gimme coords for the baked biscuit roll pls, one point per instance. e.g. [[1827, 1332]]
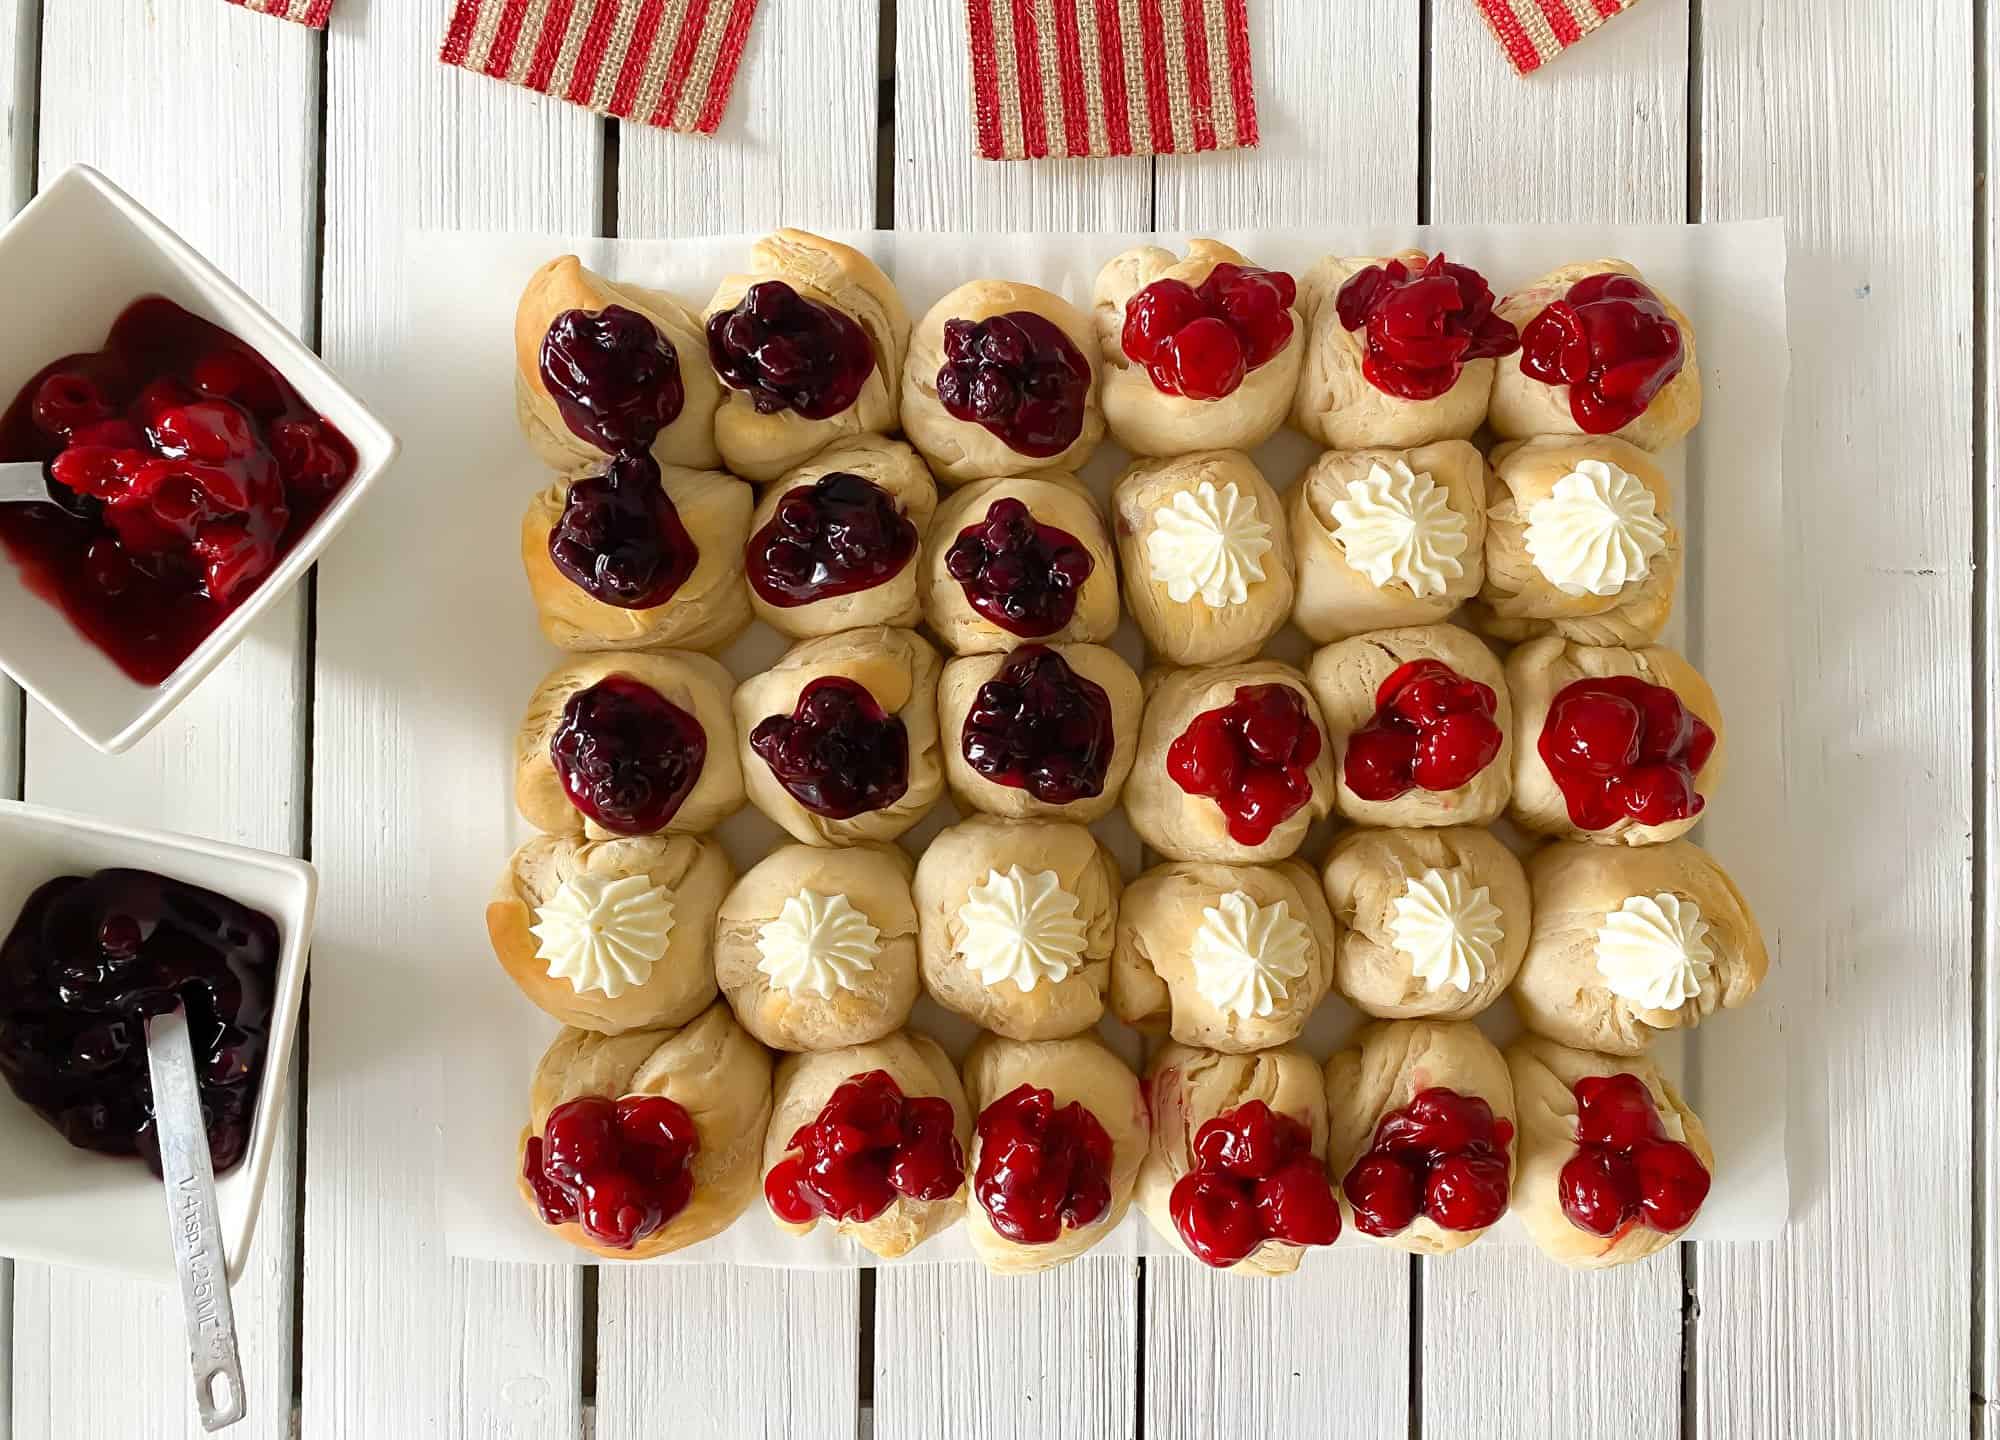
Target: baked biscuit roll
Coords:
[[1614, 746], [1200, 353], [1226, 957], [1015, 560], [1235, 1175], [1602, 353], [1233, 763], [1613, 1165], [1421, 1133], [1002, 380], [808, 345], [1421, 726], [1060, 1128], [1580, 542], [633, 556], [623, 745], [611, 935], [1203, 547], [816, 948], [645, 1142], [602, 370], [1042, 731], [871, 1139], [835, 544], [1016, 921], [1387, 538], [1433, 922], [1399, 351], [840, 740], [1630, 942]]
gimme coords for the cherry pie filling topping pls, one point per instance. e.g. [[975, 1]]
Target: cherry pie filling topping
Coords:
[[1042, 1167], [1625, 1171], [1202, 340], [1422, 325], [620, 540], [1020, 377], [1621, 747], [840, 534], [868, 1145], [1612, 342], [90, 960], [838, 754], [1252, 757], [1039, 726], [1020, 574], [790, 353], [1254, 1178], [1443, 1155], [615, 378], [626, 755], [617, 1168], [181, 469], [1433, 729]]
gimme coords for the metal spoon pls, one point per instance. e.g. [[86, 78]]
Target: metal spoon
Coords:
[[22, 480], [194, 1220]]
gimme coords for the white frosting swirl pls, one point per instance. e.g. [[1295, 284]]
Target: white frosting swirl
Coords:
[[1245, 955], [1597, 531], [1398, 525], [1021, 927], [1653, 951], [1446, 929], [1208, 542], [604, 934], [819, 944]]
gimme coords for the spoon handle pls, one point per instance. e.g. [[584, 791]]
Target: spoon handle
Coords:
[[195, 1222]]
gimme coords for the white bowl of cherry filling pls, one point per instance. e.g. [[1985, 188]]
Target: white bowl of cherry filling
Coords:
[[197, 460], [101, 925]]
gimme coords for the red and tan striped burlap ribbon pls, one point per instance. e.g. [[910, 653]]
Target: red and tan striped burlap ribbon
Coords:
[[663, 62], [1054, 78], [1533, 32], [306, 12]]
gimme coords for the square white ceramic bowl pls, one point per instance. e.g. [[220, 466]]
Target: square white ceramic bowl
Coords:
[[70, 263], [75, 1207]]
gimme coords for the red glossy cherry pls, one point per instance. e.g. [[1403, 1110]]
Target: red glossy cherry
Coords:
[[1222, 756], [1216, 1219], [1615, 1110], [1466, 1192], [1385, 1192], [867, 1145], [619, 1168], [1612, 342], [1206, 359], [1598, 734], [1202, 342], [1250, 1141], [1155, 314], [1422, 325], [1619, 747], [1432, 729], [1041, 1166], [1598, 1190], [1672, 1183], [1296, 1204]]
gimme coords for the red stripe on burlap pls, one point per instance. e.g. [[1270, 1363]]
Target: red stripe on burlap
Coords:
[[734, 36], [1506, 26], [548, 46], [1117, 87], [1240, 80], [1159, 101], [500, 57], [596, 38], [985, 80], [638, 55], [680, 64], [459, 35], [1069, 75], [1201, 102], [1561, 22], [1028, 64]]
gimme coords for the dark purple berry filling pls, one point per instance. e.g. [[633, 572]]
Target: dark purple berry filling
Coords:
[[1021, 575], [1019, 376], [789, 352], [89, 961], [620, 540], [837, 753], [1039, 726], [838, 535], [626, 755], [615, 378]]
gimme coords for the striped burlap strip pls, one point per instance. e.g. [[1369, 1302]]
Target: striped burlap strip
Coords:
[[669, 63], [1054, 78], [1533, 32], [305, 12]]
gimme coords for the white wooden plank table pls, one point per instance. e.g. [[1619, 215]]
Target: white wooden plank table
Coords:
[[297, 161]]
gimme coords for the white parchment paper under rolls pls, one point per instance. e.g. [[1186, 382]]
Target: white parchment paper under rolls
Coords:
[[462, 652]]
